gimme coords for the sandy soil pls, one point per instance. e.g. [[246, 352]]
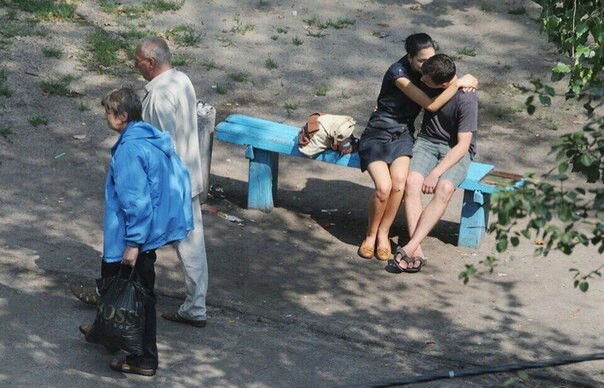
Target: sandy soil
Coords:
[[52, 179]]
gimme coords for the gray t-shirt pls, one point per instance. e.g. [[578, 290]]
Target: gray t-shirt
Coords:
[[460, 114]]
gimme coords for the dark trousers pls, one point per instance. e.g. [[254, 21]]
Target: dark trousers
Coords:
[[145, 270]]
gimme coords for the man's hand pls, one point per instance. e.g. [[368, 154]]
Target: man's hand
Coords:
[[430, 183], [130, 255]]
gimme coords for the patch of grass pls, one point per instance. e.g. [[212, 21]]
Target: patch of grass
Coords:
[[270, 64], [315, 34], [59, 87], [143, 9], [50, 52], [467, 51], [182, 59], [4, 90], [221, 90], [274, 37], [210, 65], [281, 30], [5, 132], [134, 34], [4, 43], [83, 107], [239, 77], [297, 41], [26, 28], [517, 11], [102, 50], [485, 7], [226, 41], [239, 27], [315, 22], [322, 91], [11, 14], [340, 23], [45, 9], [291, 105], [38, 120], [184, 35]]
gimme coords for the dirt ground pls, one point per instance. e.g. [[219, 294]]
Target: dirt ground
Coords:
[[290, 303]]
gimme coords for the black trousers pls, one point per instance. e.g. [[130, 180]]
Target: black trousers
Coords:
[[145, 269]]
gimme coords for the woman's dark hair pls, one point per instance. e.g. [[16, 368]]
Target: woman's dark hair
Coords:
[[440, 68], [122, 101], [417, 42]]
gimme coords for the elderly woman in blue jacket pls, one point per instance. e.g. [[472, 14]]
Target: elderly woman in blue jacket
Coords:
[[147, 205]]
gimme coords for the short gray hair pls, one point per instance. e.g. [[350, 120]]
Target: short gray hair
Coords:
[[156, 47]]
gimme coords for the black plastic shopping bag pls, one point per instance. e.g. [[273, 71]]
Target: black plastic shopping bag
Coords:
[[120, 315]]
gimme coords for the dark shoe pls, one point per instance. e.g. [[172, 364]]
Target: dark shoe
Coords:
[[413, 268], [85, 294], [85, 328], [124, 367], [176, 317]]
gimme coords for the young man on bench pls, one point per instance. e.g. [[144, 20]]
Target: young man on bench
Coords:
[[441, 157]]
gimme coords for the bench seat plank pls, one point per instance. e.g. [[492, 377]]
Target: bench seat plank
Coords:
[[265, 140]]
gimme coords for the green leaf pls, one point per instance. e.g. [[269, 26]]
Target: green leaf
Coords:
[[561, 68], [530, 109], [584, 286], [586, 160], [502, 245], [515, 241], [562, 167], [549, 90], [545, 100]]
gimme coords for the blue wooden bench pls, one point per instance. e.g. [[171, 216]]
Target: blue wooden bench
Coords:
[[265, 140]]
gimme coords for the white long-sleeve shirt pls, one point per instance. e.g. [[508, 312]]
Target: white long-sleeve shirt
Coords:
[[170, 105]]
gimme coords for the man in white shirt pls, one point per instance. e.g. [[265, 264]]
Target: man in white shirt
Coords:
[[169, 103]]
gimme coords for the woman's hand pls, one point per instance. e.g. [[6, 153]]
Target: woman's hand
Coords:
[[130, 255], [468, 83]]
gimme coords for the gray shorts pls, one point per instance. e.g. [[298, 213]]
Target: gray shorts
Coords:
[[427, 155]]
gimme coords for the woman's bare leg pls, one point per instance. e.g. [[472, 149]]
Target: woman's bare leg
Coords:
[[398, 175], [380, 174]]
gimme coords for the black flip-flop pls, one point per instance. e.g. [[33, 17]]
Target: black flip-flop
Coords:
[[413, 268], [400, 253]]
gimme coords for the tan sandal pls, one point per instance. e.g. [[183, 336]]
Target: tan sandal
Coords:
[[124, 367]]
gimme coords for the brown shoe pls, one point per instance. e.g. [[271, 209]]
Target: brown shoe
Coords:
[[124, 367], [383, 254], [365, 252], [176, 317], [87, 295]]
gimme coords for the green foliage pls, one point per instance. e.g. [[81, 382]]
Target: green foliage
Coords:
[[322, 91], [182, 59], [239, 77], [25, 28], [45, 9], [4, 90], [221, 90], [557, 215], [59, 86], [520, 10], [102, 50], [5, 132], [239, 27], [184, 35], [297, 41], [210, 65], [291, 105], [38, 120], [270, 64], [140, 10], [467, 51], [50, 52]]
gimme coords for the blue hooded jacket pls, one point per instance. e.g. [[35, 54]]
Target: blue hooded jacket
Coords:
[[147, 193]]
